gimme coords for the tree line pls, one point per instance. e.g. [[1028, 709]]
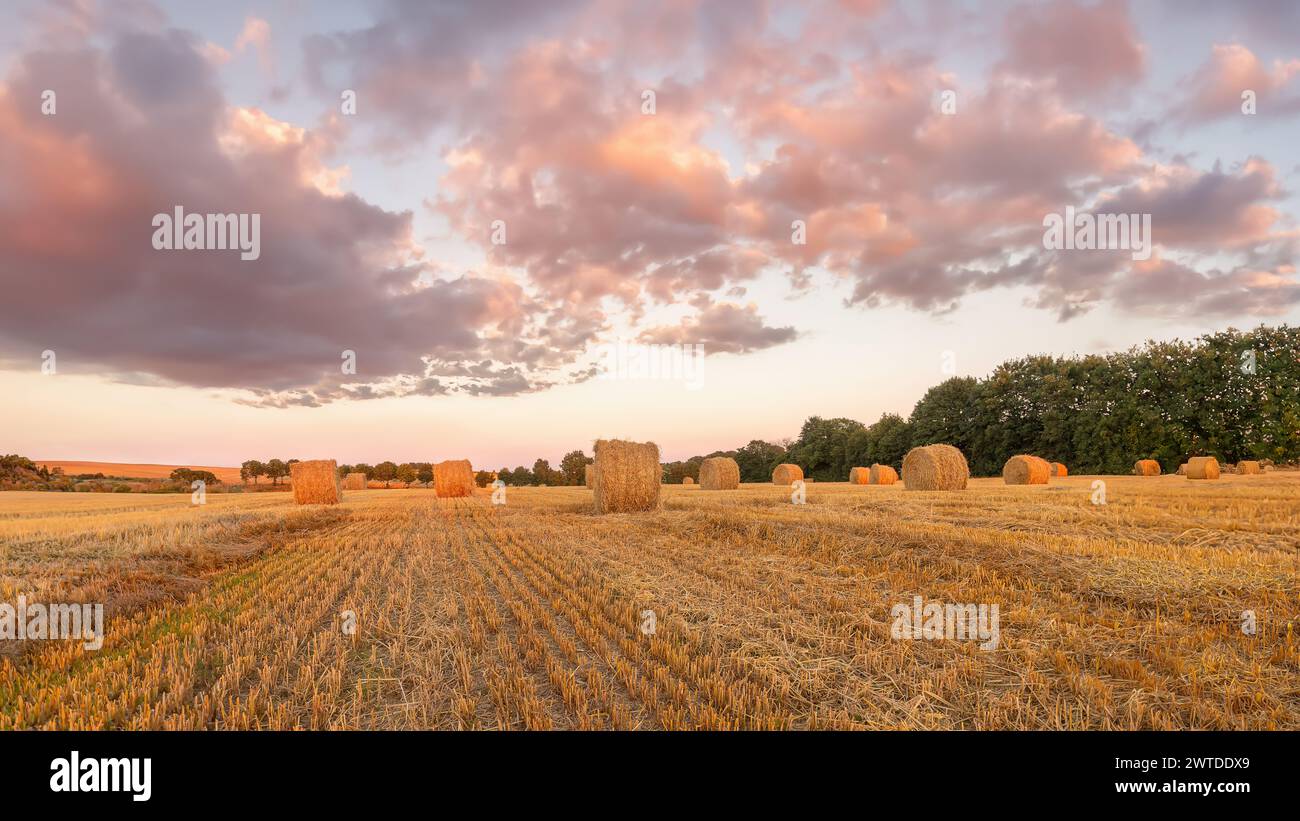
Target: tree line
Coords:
[[1231, 395], [570, 472]]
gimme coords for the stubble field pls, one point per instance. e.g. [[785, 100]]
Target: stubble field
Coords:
[[767, 614]]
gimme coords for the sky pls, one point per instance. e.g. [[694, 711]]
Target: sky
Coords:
[[824, 207]]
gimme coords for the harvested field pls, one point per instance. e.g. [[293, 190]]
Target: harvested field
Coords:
[[768, 614]]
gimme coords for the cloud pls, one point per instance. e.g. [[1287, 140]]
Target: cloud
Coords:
[[722, 328], [256, 34], [141, 128], [1084, 50], [1165, 288], [1215, 91], [418, 60], [1210, 210]]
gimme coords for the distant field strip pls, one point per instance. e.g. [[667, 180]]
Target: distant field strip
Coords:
[[766, 614]]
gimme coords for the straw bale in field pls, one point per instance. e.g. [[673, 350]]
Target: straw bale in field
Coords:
[[686, 480], [882, 475], [1202, 467], [354, 481], [1059, 469], [589, 475], [935, 467], [1248, 466], [860, 476], [628, 475], [719, 473], [786, 474], [315, 482], [1026, 470], [1146, 467], [454, 477]]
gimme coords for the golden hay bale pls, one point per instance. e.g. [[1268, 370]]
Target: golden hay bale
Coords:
[[719, 473], [375, 484], [354, 481], [860, 476], [1059, 469], [1182, 469], [935, 467], [454, 477], [686, 480], [589, 475], [786, 474], [1247, 466], [1026, 470], [1146, 467], [315, 482], [628, 475], [1202, 467], [882, 475]]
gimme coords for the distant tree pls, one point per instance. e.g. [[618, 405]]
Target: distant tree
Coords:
[[758, 459], [544, 475], [385, 472], [822, 449], [362, 467], [186, 476], [276, 469], [954, 413], [424, 472], [483, 478], [574, 467], [406, 473], [886, 442], [521, 476], [251, 470]]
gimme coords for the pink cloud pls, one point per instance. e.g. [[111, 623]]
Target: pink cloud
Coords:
[[1216, 90], [1084, 50]]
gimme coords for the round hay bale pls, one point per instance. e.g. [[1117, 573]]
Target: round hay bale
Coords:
[[375, 484], [1026, 470], [628, 475], [453, 478], [719, 473], [882, 475], [1202, 467], [935, 467], [1059, 469], [354, 481], [860, 476], [315, 482], [1182, 469], [686, 480], [1248, 467], [589, 475], [1146, 467], [786, 474]]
